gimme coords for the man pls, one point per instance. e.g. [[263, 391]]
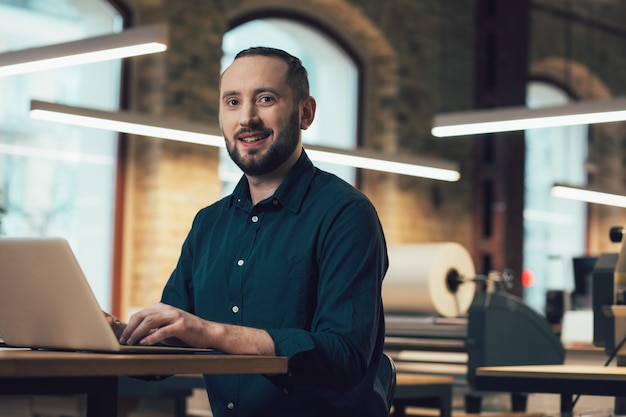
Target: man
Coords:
[[290, 264]]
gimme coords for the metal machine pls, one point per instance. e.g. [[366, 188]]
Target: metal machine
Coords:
[[609, 306], [498, 329]]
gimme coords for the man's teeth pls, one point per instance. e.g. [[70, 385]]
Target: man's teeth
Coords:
[[253, 138]]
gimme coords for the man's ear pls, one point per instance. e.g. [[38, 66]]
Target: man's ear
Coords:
[[307, 112]]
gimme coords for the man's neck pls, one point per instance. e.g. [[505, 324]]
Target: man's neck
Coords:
[[260, 190], [264, 186]]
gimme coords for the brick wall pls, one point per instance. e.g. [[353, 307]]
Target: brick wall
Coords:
[[418, 60], [580, 46]]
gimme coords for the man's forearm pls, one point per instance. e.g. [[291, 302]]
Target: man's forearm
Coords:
[[242, 340]]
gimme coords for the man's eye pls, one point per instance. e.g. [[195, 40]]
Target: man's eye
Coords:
[[266, 99], [232, 102]]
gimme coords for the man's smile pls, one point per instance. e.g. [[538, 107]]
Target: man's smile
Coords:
[[251, 137]]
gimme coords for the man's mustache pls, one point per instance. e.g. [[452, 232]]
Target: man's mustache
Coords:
[[254, 129]]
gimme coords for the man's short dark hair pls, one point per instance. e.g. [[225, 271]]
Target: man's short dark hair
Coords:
[[297, 76]]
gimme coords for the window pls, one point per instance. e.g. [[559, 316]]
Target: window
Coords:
[[59, 180], [333, 79], [554, 228]]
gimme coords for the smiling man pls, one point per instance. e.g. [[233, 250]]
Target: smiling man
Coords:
[[290, 264]]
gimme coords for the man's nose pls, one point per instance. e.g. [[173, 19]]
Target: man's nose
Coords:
[[249, 115]]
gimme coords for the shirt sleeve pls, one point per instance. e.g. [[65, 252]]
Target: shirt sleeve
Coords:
[[178, 290], [347, 323]]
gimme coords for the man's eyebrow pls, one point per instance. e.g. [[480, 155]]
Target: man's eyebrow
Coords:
[[256, 92], [229, 93], [266, 90]]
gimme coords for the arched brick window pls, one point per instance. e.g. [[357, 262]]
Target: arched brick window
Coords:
[[55, 179], [554, 228]]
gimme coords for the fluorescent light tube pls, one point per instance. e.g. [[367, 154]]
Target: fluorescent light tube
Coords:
[[67, 156], [378, 161], [131, 42], [211, 135], [127, 123], [523, 118], [588, 195]]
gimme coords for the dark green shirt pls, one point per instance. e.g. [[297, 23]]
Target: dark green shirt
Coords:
[[307, 265]]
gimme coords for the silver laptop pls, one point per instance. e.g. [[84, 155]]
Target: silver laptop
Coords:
[[46, 301]]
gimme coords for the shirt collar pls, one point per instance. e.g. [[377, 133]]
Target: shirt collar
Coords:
[[290, 192]]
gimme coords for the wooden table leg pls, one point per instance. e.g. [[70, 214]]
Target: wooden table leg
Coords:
[[567, 403], [102, 398]]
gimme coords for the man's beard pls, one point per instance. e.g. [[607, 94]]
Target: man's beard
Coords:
[[280, 150]]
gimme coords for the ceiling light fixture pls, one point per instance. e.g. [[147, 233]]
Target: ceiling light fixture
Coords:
[[131, 42], [59, 155], [588, 195], [126, 122], [378, 161], [211, 135], [523, 118]]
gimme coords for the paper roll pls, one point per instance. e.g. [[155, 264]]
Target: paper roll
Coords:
[[416, 281]]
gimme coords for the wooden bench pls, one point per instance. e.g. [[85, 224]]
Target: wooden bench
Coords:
[[423, 391]]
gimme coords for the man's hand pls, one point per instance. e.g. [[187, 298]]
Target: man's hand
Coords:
[[166, 324], [172, 326]]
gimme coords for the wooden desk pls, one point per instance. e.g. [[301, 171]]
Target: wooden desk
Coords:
[[423, 391], [24, 371], [566, 380]]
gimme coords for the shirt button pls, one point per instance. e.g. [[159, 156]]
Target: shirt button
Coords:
[[240, 262], [255, 219], [275, 202], [235, 309], [230, 406]]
